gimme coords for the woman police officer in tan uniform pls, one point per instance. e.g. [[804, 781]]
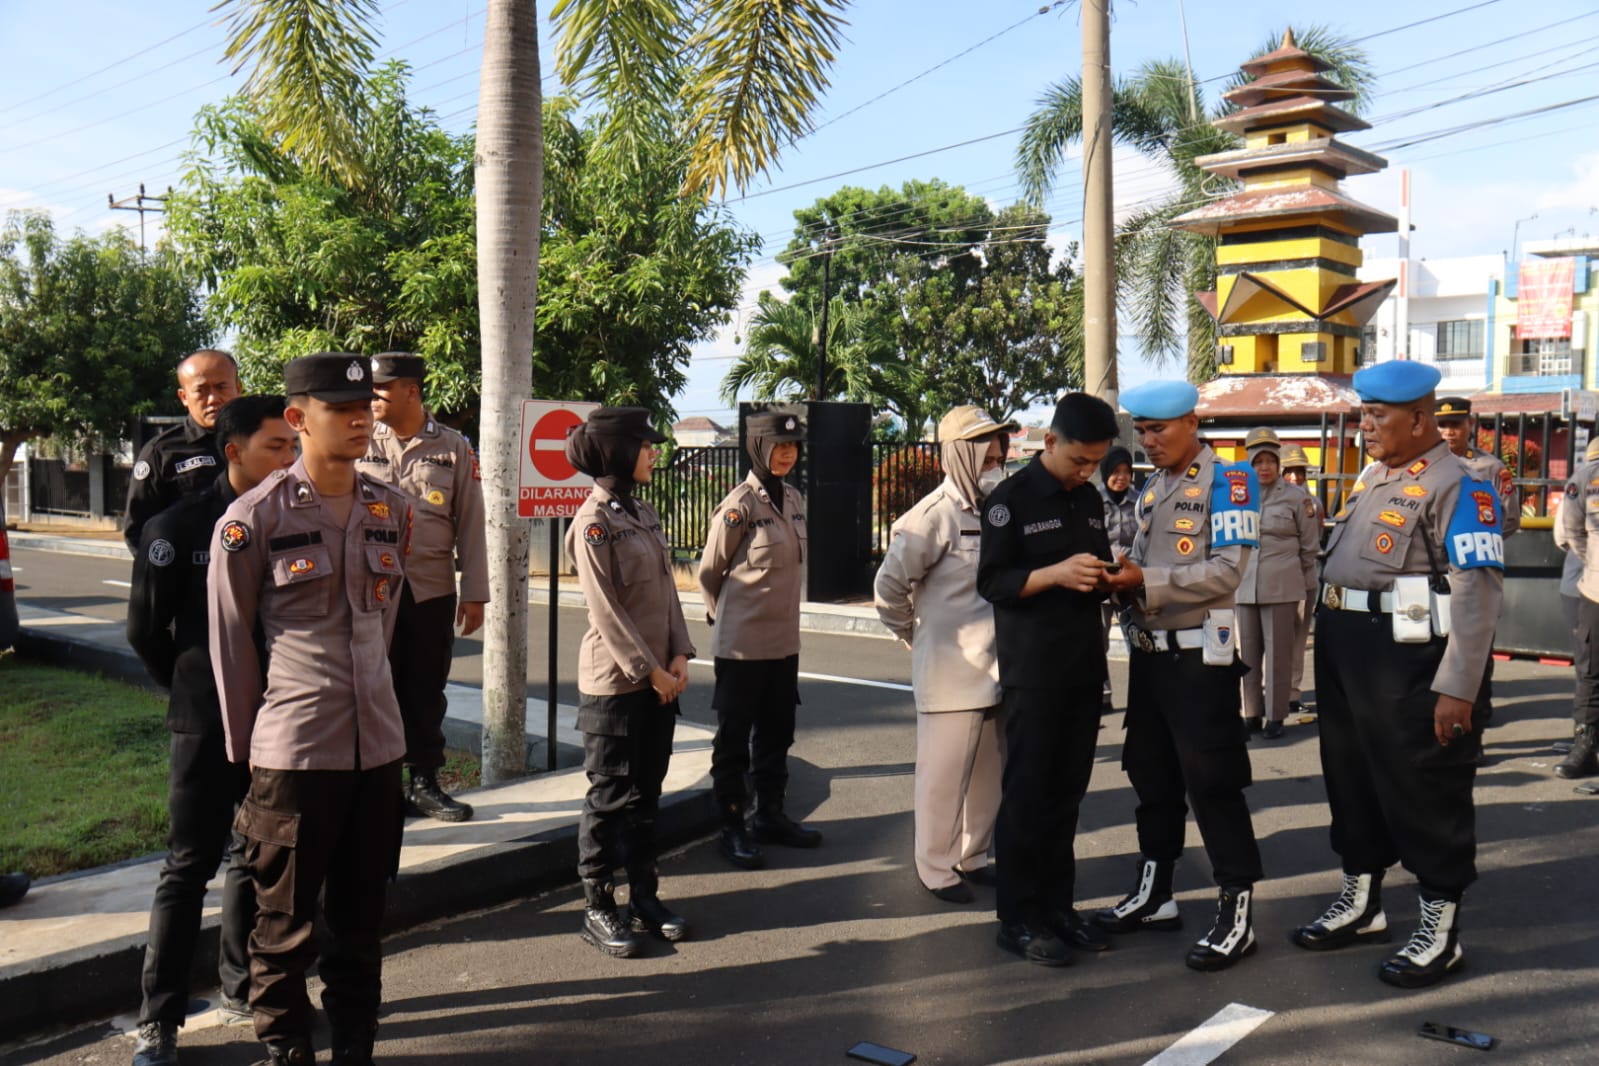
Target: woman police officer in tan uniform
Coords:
[[632, 666], [750, 577]]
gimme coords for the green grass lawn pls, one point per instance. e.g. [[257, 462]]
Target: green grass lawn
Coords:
[[83, 769]]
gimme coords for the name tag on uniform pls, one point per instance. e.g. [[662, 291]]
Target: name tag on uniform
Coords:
[[194, 462], [1041, 527]]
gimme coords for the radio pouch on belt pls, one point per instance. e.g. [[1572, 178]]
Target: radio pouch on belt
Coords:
[[1438, 583], [1412, 612]]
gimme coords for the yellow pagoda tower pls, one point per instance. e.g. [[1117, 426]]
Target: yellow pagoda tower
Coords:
[[1287, 299]]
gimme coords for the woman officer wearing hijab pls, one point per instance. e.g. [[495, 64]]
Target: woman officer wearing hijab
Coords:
[[750, 577], [632, 667]]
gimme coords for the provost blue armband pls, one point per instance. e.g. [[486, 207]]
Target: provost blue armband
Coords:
[[1474, 540], [1234, 506]]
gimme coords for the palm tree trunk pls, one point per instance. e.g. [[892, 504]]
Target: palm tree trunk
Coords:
[[510, 165]]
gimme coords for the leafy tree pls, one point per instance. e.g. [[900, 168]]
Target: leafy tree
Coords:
[[90, 330], [1159, 269]]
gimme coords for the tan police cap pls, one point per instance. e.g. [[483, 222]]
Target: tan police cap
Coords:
[[1593, 451], [970, 422], [1263, 437], [1294, 455]]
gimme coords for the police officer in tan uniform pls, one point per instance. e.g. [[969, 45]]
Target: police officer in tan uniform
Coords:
[[632, 667], [309, 563], [1280, 576], [1411, 590], [435, 466], [1296, 471], [1576, 528], [1199, 522], [750, 576], [926, 593]]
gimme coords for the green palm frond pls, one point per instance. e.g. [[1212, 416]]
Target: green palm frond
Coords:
[[308, 62], [628, 54], [1057, 123], [758, 68]]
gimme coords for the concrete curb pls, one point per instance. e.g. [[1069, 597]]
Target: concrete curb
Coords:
[[44, 542]]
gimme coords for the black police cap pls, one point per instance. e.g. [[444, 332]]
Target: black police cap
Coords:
[[392, 365], [626, 422], [1452, 407], [332, 377], [779, 427]]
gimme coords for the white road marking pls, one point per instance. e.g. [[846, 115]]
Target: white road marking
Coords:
[[66, 620], [118, 584], [864, 682], [1218, 1033]]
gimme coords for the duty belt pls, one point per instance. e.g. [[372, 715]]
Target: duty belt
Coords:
[[1340, 598], [1150, 641]]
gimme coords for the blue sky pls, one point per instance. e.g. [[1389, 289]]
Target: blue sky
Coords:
[[97, 97]]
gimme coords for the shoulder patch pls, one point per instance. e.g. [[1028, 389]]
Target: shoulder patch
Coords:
[[999, 516], [235, 536], [141, 470], [732, 518], [595, 534], [162, 553], [1234, 506], [1473, 538], [1310, 508]]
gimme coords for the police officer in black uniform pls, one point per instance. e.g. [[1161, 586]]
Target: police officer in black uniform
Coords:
[[168, 627], [1042, 562], [185, 459]]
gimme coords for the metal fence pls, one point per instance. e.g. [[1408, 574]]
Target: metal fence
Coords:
[[685, 491], [901, 475]]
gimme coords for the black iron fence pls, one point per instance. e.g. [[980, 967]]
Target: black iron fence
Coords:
[[685, 491], [901, 475]]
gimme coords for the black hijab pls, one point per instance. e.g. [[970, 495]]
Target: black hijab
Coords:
[[608, 458]]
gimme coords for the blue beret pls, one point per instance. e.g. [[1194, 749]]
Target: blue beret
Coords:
[[1160, 399], [1396, 381]]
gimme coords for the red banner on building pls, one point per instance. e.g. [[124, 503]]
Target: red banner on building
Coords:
[[1543, 298]]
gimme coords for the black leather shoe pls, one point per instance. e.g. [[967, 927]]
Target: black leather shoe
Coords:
[[649, 915], [1033, 943], [235, 1011], [739, 849], [1273, 731], [352, 1047], [1296, 708], [775, 827], [425, 799], [156, 1044], [1074, 930], [12, 888], [296, 1053], [956, 893], [983, 875], [1254, 725]]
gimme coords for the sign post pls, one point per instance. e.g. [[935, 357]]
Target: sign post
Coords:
[[550, 487]]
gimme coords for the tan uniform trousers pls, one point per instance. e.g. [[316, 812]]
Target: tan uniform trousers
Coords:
[[1266, 643], [959, 763]]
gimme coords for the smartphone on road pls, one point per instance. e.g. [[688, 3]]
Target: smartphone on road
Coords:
[[1450, 1035], [866, 1051]]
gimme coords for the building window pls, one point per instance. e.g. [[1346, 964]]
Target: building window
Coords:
[[1541, 357], [1366, 354], [1460, 338]]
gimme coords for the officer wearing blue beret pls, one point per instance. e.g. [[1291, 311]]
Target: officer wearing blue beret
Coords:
[[1412, 581], [1198, 522]]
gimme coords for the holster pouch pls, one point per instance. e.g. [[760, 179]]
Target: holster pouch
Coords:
[[1412, 612], [1440, 614], [1221, 640]]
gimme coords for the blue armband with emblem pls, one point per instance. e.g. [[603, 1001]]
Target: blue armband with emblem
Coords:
[[1234, 506], [1474, 540]]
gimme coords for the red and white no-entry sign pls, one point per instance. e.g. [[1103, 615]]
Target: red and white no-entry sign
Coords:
[[549, 486]]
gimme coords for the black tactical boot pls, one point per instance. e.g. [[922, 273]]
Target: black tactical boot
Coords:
[[13, 887], [425, 799], [352, 1046], [1356, 915], [1433, 952], [737, 845], [772, 826], [156, 1044], [1581, 761], [646, 912], [602, 926], [1148, 906], [1231, 938], [291, 1053]]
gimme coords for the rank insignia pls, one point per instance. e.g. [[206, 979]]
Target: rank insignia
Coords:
[[436, 498], [1392, 518], [1416, 467], [386, 559], [379, 510], [302, 492], [1149, 497], [1185, 525], [1414, 491], [1384, 542], [1192, 471], [1185, 546], [1485, 508], [302, 566], [595, 534], [235, 536], [999, 515], [380, 591], [1193, 492], [732, 518]]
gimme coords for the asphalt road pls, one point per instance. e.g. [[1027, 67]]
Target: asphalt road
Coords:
[[795, 963]]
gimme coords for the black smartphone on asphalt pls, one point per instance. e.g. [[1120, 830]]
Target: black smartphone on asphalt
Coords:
[[1450, 1035], [866, 1051]]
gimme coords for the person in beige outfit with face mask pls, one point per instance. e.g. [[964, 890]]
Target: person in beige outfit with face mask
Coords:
[[927, 596]]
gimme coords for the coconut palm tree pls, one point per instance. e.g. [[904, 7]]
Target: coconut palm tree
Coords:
[[747, 74], [1160, 111]]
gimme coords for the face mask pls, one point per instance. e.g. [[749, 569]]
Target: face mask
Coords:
[[989, 480]]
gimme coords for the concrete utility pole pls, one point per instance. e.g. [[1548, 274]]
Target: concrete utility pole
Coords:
[[1099, 244], [137, 203]]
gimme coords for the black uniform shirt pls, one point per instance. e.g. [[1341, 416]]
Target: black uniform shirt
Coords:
[[177, 462], [167, 622], [1031, 522]]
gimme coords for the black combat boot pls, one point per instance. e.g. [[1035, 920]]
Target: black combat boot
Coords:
[[772, 826], [156, 1044], [1233, 935], [291, 1053], [1434, 950], [1581, 761], [738, 847], [1355, 916], [1148, 906], [352, 1045], [646, 912], [602, 926], [425, 799]]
